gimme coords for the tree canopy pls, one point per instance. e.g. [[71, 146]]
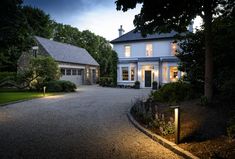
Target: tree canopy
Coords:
[[192, 61]]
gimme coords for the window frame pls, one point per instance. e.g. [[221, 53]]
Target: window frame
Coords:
[[126, 75], [67, 72], [146, 50], [125, 50], [173, 48], [133, 75], [173, 77]]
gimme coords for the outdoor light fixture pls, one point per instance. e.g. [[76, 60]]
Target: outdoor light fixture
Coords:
[[44, 90], [177, 123], [35, 49]]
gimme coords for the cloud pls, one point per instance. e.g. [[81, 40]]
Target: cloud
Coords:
[[98, 16]]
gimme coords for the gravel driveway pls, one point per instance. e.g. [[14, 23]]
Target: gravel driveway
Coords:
[[90, 123]]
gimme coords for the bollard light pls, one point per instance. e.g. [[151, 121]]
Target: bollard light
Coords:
[[177, 123], [44, 90]]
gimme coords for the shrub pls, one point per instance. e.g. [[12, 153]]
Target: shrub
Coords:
[[231, 128], [137, 85], [227, 93], [106, 82], [174, 93], [60, 86], [154, 85]]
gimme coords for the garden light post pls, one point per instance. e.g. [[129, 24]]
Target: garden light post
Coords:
[[44, 90], [177, 123]]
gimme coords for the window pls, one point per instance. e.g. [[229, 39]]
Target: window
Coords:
[[132, 73], [125, 73], [164, 73], [173, 48], [127, 51], [79, 71], [74, 72], [173, 73], [149, 50], [68, 71], [62, 70]]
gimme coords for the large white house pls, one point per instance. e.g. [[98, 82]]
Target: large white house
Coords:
[[146, 59]]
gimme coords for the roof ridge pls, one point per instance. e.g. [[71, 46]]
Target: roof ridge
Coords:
[[60, 42]]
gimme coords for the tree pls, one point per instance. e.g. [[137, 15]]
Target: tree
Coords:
[[167, 15], [38, 21], [40, 70], [192, 61], [14, 36]]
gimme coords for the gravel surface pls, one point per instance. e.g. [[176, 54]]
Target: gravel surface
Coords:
[[90, 123]]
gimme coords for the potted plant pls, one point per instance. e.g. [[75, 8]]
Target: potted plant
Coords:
[[137, 85], [154, 85]]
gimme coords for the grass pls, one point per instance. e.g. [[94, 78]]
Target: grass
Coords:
[[12, 96]]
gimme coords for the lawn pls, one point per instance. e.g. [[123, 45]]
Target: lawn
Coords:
[[6, 97]]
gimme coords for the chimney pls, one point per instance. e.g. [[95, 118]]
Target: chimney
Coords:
[[121, 31]]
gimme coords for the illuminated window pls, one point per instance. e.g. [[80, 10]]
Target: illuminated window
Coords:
[[132, 73], [127, 50], [164, 73], [125, 73], [149, 50], [173, 73], [173, 48]]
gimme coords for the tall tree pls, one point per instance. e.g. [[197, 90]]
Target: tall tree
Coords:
[[39, 22], [191, 58], [167, 15], [14, 36]]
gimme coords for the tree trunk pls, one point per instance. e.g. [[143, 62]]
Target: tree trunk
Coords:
[[208, 86]]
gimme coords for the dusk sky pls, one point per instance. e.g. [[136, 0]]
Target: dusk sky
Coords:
[[98, 16]]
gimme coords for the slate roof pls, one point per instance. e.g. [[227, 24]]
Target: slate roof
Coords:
[[66, 53], [132, 37]]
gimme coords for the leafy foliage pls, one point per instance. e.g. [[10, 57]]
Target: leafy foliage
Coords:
[[137, 85], [174, 93], [41, 70], [106, 82], [38, 21], [192, 60], [60, 86]]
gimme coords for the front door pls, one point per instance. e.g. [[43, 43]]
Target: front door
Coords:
[[147, 78]]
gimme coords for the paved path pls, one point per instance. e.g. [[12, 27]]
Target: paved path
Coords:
[[91, 123]]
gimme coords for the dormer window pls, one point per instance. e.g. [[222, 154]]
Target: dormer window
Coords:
[[127, 51], [149, 50], [173, 48]]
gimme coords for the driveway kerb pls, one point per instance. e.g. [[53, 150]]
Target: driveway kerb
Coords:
[[170, 145]]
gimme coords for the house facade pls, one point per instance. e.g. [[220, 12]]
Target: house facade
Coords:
[[75, 63], [146, 59]]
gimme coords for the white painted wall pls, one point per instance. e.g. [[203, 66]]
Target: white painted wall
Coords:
[[138, 49]]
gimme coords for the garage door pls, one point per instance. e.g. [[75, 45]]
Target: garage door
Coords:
[[74, 75]]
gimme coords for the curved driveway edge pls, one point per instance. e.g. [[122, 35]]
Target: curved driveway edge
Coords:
[[170, 145]]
